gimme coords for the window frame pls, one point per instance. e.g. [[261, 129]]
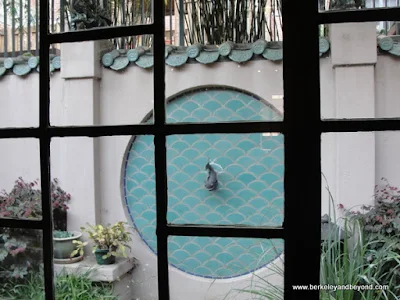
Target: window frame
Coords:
[[302, 251]]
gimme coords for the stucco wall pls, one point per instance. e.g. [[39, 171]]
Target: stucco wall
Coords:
[[91, 169]]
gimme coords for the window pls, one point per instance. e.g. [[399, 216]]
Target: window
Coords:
[[302, 193]]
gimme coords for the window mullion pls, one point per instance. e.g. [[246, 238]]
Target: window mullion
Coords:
[[360, 125], [359, 15], [102, 33], [302, 148], [44, 123], [160, 152]]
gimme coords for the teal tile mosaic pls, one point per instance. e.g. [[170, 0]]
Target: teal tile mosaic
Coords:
[[250, 191]]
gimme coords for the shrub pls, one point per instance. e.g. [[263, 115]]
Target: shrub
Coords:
[[20, 249]]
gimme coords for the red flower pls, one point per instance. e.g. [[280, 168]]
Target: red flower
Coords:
[[340, 206]]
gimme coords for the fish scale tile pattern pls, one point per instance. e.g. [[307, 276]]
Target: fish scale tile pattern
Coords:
[[250, 192]]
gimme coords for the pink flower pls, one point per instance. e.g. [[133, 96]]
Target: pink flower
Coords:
[[340, 206]]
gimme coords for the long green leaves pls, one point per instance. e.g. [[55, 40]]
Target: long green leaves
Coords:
[[240, 21], [68, 287], [348, 259]]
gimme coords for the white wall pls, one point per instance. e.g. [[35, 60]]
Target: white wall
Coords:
[[90, 169]]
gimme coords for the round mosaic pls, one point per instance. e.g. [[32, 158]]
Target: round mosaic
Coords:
[[250, 172]]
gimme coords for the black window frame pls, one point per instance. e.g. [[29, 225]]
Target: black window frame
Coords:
[[301, 228]]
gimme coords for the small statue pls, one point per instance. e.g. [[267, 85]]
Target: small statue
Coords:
[[212, 182], [87, 14]]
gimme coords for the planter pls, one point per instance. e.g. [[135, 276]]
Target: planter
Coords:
[[60, 219], [100, 260], [63, 247]]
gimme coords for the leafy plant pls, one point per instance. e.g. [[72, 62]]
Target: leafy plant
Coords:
[[381, 227], [382, 219], [24, 200], [80, 248], [18, 251], [344, 263], [59, 197], [261, 287], [113, 238], [67, 286]]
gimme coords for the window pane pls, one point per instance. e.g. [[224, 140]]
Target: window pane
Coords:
[[94, 172], [21, 261], [225, 268], [19, 85], [80, 15], [230, 72], [358, 73], [360, 196], [93, 83], [355, 4], [20, 191], [226, 179]]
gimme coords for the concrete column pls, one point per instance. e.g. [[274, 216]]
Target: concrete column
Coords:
[[81, 71], [354, 56]]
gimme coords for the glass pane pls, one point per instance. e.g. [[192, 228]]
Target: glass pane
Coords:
[[226, 73], [225, 179], [225, 268], [93, 83], [21, 264], [358, 71], [360, 215], [19, 49], [103, 192], [20, 190], [83, 15], [326, 5]]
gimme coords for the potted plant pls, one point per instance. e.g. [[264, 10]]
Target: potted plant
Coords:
[[59, 200], [24, 201], [108, 241], [65, 246]]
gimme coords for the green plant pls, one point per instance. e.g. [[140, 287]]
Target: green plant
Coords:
[[380, 225], [67, 286], [382, 219], [18, 249], [344, 263], [59, 197], [24, 200], [80, 248], [113, 238]]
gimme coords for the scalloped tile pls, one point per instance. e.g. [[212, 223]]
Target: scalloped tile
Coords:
[[245, 184]]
